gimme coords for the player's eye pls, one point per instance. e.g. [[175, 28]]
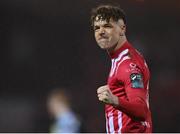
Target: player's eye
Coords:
[[108, 26], [96, 28]]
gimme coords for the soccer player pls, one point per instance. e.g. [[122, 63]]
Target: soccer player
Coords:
[[126, 95]]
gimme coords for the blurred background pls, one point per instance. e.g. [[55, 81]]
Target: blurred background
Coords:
[[50, 43]]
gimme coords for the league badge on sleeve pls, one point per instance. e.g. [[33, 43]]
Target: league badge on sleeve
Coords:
[[136, 80]]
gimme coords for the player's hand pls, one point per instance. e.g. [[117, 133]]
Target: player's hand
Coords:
[[105, 95]]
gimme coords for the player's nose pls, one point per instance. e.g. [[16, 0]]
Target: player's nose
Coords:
[[102, 31]]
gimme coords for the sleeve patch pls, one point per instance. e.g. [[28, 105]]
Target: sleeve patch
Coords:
[[136, 80]]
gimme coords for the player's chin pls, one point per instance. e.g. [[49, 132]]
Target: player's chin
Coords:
[[104, 46]]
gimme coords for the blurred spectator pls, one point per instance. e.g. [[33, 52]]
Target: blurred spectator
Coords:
[[65, 120]]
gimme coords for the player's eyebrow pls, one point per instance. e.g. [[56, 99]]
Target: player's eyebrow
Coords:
[[107, 25], [96, 27]]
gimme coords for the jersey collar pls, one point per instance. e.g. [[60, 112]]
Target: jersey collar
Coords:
[[117, 52]]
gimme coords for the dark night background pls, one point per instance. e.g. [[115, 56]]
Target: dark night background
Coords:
[[47, 43]]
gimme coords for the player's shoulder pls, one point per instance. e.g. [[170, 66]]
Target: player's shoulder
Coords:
[[129, 65], [126, 63]]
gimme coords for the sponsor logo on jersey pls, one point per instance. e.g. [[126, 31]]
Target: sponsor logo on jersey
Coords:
[[136, 80]]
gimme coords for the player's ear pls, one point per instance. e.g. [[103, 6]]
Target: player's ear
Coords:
[[122, 30], [122, 27]]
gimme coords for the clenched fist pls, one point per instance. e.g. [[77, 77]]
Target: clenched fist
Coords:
[[105, 95]]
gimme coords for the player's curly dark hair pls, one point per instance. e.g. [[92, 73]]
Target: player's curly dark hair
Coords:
[[107, 12]]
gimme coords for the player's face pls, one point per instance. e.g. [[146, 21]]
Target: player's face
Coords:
[[108, 35]]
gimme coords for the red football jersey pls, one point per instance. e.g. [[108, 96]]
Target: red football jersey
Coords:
[[129, 80]]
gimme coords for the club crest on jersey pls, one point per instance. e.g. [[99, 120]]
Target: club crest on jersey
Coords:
[[132, 67], [136, 80]]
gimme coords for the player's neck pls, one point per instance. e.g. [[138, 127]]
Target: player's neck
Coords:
[[119, 44]]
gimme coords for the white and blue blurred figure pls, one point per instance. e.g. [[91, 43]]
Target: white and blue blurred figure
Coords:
[[66, 121]]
